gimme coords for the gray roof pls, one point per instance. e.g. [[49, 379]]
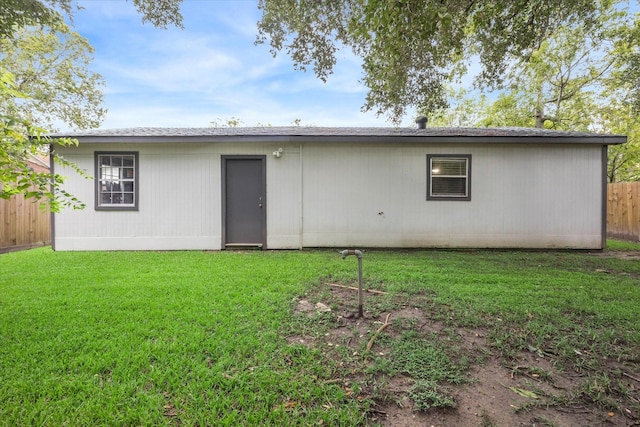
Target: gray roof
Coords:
[[340, 134]]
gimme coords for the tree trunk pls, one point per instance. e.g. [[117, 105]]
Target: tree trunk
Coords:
[[540, 109], [539, 117]]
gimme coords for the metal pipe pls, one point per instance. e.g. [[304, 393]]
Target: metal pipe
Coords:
[[358, 254]]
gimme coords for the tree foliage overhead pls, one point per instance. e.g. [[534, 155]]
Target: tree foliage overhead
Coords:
[[630, 55], [19, 141], [16, 14], [579, 78], [570, 73], [410, 47], [160, 13], [44, 81], [50, 66]]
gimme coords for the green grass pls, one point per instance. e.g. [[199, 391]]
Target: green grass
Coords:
[[198, 338], [152, 338], [622, 245]]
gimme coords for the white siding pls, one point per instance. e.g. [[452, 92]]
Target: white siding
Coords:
[[521, 196], [348, 195], [283, 198], [179, 199]]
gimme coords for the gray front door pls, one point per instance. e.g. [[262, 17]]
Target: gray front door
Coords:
[[244, 201]]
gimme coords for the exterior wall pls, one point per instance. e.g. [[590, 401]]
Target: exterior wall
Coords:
[[179, 199], [348, 195], [528, 196]]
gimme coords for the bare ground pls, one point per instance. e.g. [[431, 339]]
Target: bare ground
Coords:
[[529, 390]]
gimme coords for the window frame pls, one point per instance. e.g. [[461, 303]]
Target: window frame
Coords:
[[98, 180], [467, 176]]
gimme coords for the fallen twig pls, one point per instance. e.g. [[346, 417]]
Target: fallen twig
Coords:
[[573, 410], [523, 370], [373, 291], [380, 329], [631, 376]]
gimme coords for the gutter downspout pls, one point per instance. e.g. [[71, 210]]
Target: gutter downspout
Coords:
[[357, 253]]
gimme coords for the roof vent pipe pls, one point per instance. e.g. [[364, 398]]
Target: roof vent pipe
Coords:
[[422, 122]]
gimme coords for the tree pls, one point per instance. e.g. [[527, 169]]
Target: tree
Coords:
[[464, 110], [575, 80], [44, 79], [408, 47], [622, 113], [229, 122], [18, 140], [623, 161], [560, 83], [25, 13], [49, 82], [50, 66], [563, 79], [629, 56], [617, 116], [234, 122]]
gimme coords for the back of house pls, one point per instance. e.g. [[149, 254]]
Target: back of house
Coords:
[[297, 187]]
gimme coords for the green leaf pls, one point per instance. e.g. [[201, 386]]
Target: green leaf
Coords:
[[524, 393]]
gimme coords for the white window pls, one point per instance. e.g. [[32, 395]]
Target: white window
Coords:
[[448, 177], [117, 181]]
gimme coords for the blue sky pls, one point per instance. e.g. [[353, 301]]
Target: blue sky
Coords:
[[211, 71]]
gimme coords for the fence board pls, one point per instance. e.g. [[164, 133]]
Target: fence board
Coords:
[[623, 210], [23, 223]]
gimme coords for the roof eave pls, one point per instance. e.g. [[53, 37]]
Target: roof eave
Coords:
[[438, 139]]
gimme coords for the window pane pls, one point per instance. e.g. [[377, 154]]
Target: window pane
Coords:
[[128, 198], [449, 167], [449, 186], [127, 173], [127, 161], [108, 172], [116, 160], [105, 160]]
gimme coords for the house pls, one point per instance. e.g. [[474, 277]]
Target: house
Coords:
[[297, 187]]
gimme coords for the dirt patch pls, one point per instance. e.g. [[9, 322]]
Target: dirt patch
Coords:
[[527, 390], [630, 255]]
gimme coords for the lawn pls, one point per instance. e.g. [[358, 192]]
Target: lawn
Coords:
[[203, 338]]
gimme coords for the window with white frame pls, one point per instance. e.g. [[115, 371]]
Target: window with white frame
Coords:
[[116, 181], [448, 177]]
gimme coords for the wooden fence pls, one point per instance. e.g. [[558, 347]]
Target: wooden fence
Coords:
[[623, 211], [23, 224]]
